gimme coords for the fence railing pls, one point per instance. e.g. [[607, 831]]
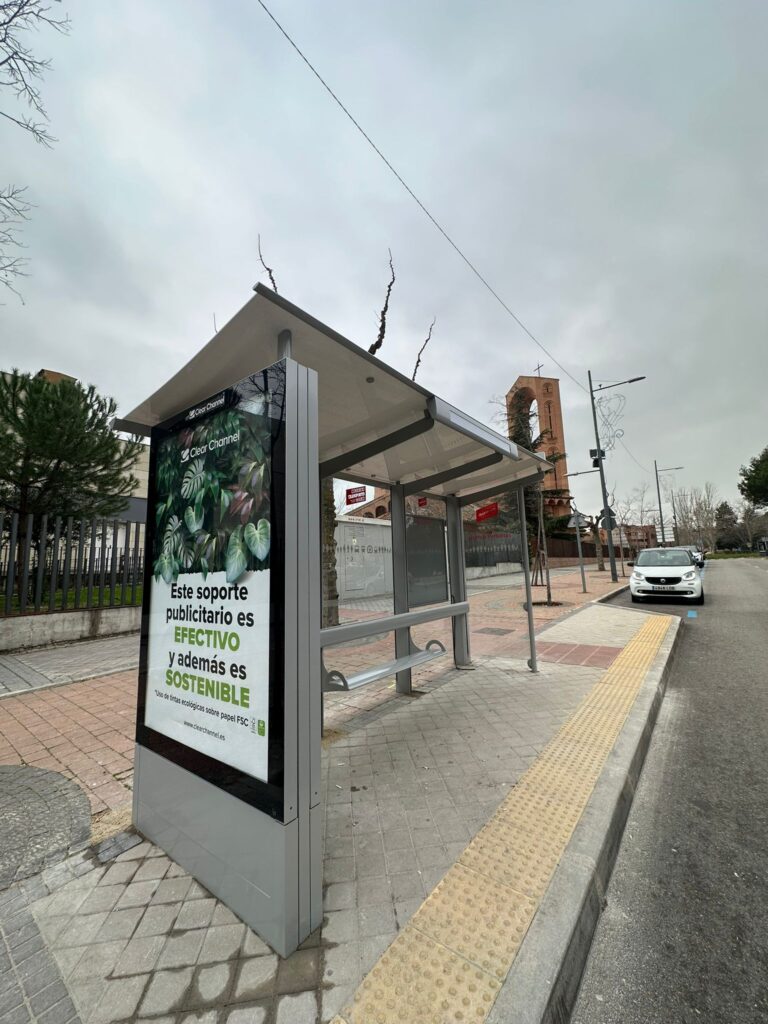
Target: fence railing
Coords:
[[50, 564], [489, 549]]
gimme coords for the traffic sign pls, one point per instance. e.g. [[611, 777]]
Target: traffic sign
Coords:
[[355, 495], [487, 512]]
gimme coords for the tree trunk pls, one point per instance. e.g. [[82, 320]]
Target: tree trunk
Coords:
[[330, 596], [598, 547]]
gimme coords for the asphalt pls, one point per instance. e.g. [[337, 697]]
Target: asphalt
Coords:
[[684, 935]]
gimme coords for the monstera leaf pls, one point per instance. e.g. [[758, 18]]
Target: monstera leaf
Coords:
[[194, 479], [170, 535], [237, 557], [257, 538], [166, 567], [193, 518]]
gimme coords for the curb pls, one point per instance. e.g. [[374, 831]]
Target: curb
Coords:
[[543, 983], [609, 596]]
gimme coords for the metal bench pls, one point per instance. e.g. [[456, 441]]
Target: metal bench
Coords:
[[335, 681]]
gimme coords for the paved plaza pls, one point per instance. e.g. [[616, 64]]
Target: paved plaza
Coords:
[[118, 932]]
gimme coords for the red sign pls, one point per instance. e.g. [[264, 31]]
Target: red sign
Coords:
[[422, 502], [487, 512], [355, 495]]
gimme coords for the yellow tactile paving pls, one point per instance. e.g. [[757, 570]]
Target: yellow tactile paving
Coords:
[[448, 963]]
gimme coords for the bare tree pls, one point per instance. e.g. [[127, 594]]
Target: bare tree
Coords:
[[269, 270], [749, 522], [421, 350], [20, 74], [384, 310]]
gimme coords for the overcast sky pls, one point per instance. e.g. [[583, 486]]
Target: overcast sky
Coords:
[[605, 165]]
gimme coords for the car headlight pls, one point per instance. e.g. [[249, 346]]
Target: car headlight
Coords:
[[637, 576], [689, 575]]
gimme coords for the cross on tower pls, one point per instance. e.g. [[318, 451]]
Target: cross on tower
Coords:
[[537, 369]]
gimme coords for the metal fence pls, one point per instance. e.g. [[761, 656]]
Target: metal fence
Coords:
[[491, 548], [50, 564]]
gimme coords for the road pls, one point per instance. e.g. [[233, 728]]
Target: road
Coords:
[[684, 937]]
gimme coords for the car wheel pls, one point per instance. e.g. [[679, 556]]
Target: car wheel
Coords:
[[636, 599], [700, 598]]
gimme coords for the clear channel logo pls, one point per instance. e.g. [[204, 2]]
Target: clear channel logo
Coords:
[[213, 445]]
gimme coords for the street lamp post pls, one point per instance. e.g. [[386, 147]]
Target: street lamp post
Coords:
[[669, 469], [606, 512]]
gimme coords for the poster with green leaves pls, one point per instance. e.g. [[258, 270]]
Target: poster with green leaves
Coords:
[[208, 661]]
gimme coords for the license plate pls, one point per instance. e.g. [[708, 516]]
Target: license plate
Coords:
[[655, 587]]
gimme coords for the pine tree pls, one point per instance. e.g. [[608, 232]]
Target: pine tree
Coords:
[[754, 480], [58, 452]]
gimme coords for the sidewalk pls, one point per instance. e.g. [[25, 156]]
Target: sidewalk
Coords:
[[450, 809]]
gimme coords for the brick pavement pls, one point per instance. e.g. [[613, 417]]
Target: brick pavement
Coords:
[[86, 730], [406, 785]]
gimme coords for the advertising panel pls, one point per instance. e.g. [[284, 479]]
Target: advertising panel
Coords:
[[355, 495], [427, 561], [212, 648], [487, 512]]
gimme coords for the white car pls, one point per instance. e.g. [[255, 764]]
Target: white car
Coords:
[[696, 553], [666, 572]]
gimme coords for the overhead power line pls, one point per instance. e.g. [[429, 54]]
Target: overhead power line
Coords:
[[483, 280], [416, 199]]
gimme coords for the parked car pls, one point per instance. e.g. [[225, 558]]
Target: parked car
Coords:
[[666, 572], [696, 553]]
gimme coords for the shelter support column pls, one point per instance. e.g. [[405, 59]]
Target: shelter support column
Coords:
[[532, 665], [460, 623], [400, 581]]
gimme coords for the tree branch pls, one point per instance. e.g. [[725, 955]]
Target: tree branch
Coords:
[[384, 310], [426, 342], [268, 269]]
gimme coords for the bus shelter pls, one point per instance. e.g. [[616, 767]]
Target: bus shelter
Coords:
[[234, 661]]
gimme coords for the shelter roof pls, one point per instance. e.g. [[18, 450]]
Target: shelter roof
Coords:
[[375, 425]]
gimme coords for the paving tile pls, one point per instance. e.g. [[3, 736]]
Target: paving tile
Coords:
[[139, 956], [119, 924], [250, 1013], [298, 1009], [197, 914], [181, 950], [154, 868], [299, 971], [138, 894], [334, 1000], [103, 897], [158, 920], [255, 978], [340, 926], [342, 964], [376, 920], [166, 991], [98, 960], [340, 896], [254, 945], [171, 890], [222, 942], [212, 985], [120, 873], [120, 999], [223, 915]]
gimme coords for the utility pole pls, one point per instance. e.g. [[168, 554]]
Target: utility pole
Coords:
[[656, 470], [606, 512], [658, 494]]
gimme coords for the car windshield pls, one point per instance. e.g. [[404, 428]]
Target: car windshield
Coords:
[[650, 557]]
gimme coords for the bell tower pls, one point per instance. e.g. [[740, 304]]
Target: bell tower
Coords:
[[545, 392]]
